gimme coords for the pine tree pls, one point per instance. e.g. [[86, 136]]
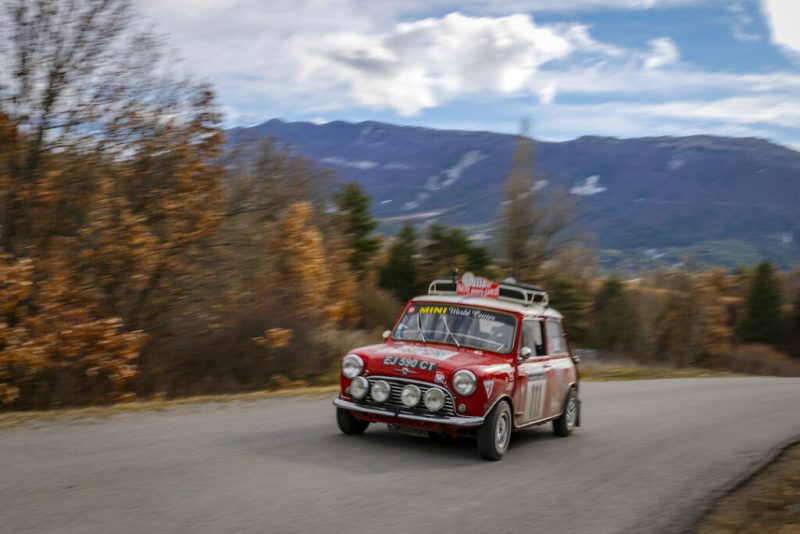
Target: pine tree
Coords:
[[794, 329], [573, 303], [614, 318], [762, 320], [357, 226], [449, 249], [399, 275]]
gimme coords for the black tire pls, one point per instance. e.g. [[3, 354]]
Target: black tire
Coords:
[[349, 424], [491, 444], [565, 424]]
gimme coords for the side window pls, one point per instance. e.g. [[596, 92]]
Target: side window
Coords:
[[556, 343], [532, 336]]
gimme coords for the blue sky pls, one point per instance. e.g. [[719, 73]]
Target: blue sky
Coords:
[[574, 67]]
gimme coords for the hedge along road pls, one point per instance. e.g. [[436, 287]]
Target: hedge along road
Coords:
[[649, 457]]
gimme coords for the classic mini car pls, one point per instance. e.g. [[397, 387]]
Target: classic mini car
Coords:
[[473, 356]]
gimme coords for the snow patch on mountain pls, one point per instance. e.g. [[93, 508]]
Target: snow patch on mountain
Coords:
[[449, 176], [445, 178], [590, 186], [363, 165], [396, 166]]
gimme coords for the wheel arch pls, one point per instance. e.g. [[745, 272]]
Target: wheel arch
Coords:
[[502, 396]]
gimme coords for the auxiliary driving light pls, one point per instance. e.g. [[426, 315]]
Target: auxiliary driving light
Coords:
[[434, 399], [359, 387], [380, 391], [410, 396]]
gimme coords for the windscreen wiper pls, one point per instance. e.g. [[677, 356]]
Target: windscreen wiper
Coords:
[[419, 327], [449, 333]]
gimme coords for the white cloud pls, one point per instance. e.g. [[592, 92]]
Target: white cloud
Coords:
[[424, 63], [566, 5], [770, 109], [752, 116], [630, 79], [547, 92], [266, 61], [663, 52], [783, 17], [742, 24], [333, 58]]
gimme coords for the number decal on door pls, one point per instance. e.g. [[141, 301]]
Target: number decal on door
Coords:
[[535, 401]]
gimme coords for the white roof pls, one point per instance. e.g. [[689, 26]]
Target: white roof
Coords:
[[532, 310]]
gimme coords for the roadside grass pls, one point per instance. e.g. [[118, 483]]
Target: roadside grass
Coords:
[[324, 385], [770, 502], [608, 371], [150, 405]]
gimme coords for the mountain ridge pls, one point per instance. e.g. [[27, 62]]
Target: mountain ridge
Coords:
[[665, 193]]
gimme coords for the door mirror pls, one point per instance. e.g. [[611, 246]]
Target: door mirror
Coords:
[[525, 353], [386, 334]]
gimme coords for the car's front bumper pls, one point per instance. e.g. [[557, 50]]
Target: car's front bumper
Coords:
[[398, 417]]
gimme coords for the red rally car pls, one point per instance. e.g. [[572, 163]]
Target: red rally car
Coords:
[[473, 356]]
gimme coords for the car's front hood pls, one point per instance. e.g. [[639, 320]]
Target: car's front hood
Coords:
[[423, 361]]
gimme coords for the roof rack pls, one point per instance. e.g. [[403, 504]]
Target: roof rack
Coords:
[[525, 294]]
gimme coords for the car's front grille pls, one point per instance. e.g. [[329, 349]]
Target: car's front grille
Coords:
[[394, 402]]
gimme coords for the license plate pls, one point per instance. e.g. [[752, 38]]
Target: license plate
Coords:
[[410, 363]]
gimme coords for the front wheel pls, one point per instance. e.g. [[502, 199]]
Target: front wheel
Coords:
[[348, 423], [563, 426], [494, 435]]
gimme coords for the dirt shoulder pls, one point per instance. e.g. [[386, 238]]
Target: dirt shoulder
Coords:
[[767, 503], [589, 372]]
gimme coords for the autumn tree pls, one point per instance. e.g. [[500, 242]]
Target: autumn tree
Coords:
[[265, 177], [694, 328], [533, 226], [357, 226], [109, 188]]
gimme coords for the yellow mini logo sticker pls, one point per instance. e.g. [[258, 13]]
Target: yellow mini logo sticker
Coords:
[[433, 309]]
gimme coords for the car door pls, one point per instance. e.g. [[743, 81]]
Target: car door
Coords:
[[558, 365], [532, 375]]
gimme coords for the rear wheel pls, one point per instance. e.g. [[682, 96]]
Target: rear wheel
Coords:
[[348, 423], [563, 426], [495, 434]]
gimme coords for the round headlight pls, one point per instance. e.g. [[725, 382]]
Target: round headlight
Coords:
[[410, 395], [359, 387], [380, 391], [352, 366], [434, 399], [464, 382]]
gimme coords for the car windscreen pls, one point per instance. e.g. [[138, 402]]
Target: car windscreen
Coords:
[[458, 325]]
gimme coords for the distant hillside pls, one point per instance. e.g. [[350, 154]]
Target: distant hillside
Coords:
[[729, 200]]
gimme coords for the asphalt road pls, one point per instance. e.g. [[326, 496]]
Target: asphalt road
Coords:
[[649, 456]]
